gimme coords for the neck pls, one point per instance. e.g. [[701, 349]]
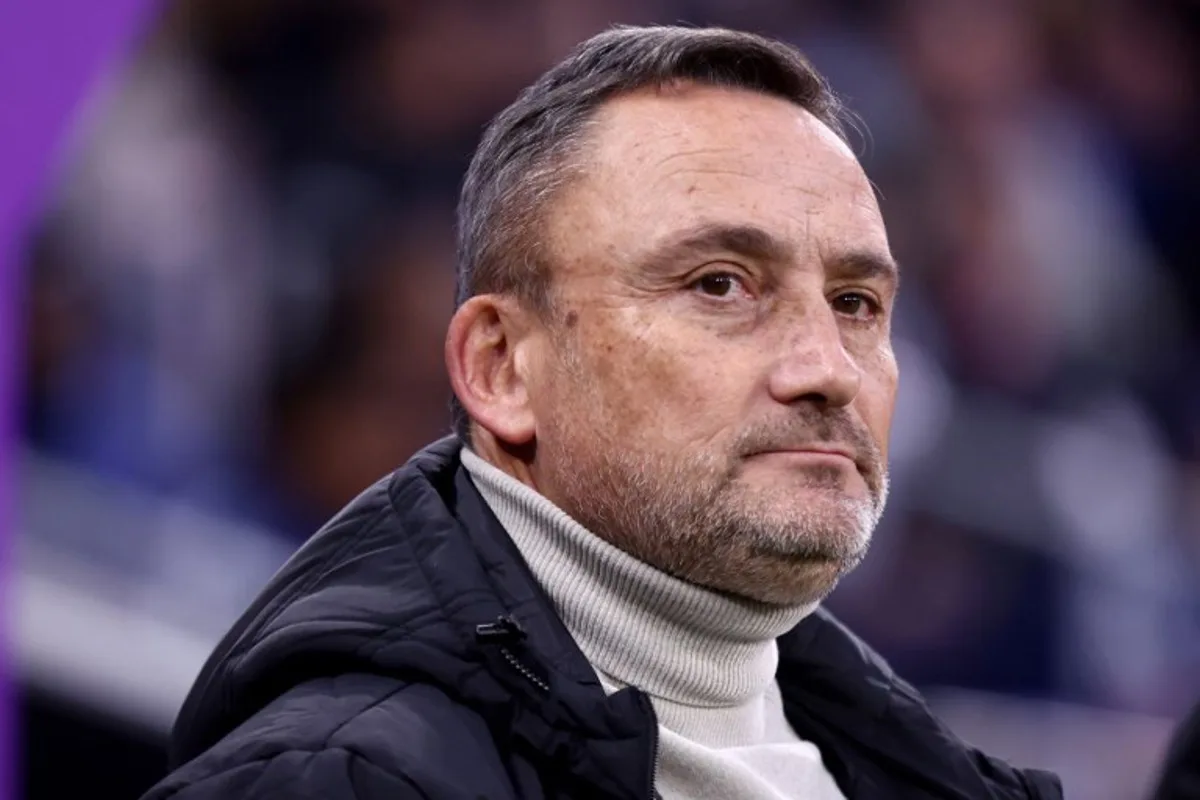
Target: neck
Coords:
[[512, 461], [681, 643]]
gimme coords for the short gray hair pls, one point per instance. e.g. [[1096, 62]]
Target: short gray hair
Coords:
[[524, 155]]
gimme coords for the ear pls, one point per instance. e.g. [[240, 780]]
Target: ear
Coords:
[[484, 363]]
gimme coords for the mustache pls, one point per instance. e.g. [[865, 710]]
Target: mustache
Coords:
[[811, 427]]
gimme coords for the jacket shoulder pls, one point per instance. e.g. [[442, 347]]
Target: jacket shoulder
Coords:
[[329, 774], [875, 729], [351, 737]]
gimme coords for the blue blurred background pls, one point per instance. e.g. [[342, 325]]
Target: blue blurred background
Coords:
[[237, 293]]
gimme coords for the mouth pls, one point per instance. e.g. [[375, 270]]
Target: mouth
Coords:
[[812, 455]]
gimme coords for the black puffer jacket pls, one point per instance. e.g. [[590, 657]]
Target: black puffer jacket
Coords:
[[407, 652], [1180, 775]]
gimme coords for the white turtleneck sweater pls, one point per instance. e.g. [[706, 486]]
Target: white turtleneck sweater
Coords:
[[707, 661]]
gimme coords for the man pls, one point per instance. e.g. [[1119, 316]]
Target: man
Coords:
[[674, 383]]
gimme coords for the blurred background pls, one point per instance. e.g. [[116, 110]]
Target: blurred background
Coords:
[[237, 292]]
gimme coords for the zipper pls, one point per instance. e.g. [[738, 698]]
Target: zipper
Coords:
[[503, 633], [649, 707], [654, 795], [521, 668]]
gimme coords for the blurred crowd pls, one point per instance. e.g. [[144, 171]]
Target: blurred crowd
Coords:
[[239, 287]]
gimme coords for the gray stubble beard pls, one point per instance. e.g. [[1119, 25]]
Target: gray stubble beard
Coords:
[[704, 526]]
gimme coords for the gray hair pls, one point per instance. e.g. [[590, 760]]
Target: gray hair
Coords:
[[525, 154]]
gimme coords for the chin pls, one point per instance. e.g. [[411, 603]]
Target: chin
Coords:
[[780, 570], [796, 584], [804, 562]]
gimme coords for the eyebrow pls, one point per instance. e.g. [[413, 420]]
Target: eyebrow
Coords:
[[865, 265], [759, 244], [743, 240]]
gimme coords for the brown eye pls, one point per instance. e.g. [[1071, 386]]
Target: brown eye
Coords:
[[856, 305], [718, 284]]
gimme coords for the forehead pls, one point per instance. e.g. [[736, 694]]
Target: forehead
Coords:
[[659, 161]]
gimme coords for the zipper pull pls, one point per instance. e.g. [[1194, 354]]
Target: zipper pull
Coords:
[[503, 631]]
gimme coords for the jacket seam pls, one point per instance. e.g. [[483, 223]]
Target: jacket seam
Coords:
[[238, 654], [442, 602], [352, 753], [374, 704], [313, 577], [404, 779]]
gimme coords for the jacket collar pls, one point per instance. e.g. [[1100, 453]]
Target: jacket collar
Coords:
[[417, 579]]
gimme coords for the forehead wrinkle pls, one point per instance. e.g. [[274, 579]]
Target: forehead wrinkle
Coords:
[[699, 152], [703, 172], [793, 170], [667, 180]]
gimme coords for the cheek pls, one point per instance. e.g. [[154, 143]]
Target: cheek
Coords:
[[647, 379], [877, 398], [683, 390]]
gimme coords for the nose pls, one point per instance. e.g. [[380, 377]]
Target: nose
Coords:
[[814, 365]]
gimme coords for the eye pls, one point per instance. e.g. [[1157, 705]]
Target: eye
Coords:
[[856, 305], [720, 284]]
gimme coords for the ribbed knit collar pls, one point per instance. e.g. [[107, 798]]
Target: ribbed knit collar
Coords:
[[636, 625]]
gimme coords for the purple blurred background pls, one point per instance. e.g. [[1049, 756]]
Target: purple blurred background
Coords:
[[236, 295], [51, 52]]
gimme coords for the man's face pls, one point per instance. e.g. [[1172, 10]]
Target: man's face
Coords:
[[723, 294]]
